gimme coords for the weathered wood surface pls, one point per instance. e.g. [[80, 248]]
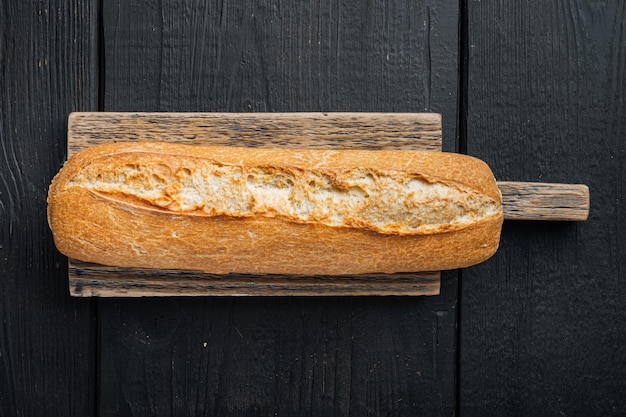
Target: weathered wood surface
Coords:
[[543, 201], [543, 323], [280, 355], [417, 131], [299, 129], [88, 280], [421, 131], [47, 338]]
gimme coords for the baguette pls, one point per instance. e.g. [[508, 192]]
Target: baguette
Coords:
[[278, 211]]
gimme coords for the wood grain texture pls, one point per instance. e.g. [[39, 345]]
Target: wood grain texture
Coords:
[[87, 280], [47, 339], [260, 355], [543, 201], [521, 201], [544, 321], [417, 131], [391, 57], [297, 130], [280, 355]]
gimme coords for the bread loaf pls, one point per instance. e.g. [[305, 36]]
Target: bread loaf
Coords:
[[282, 211]]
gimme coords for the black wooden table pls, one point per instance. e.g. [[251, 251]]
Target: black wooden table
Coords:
[[534, 88]]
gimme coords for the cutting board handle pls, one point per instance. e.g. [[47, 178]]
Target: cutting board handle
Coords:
[[542, 201]]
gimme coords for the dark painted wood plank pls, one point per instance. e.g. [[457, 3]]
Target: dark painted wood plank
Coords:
[[284, 356], [247, 356], [47, 339], [544, 321]]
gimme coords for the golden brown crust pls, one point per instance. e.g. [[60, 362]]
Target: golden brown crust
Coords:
[[106, 228]]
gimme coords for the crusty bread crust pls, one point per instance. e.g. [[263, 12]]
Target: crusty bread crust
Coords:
[[281, 211]]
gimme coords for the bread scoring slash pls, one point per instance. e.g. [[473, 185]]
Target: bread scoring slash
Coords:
[[278, 211]]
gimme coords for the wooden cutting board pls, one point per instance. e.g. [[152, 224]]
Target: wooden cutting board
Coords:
[[410, 131]]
